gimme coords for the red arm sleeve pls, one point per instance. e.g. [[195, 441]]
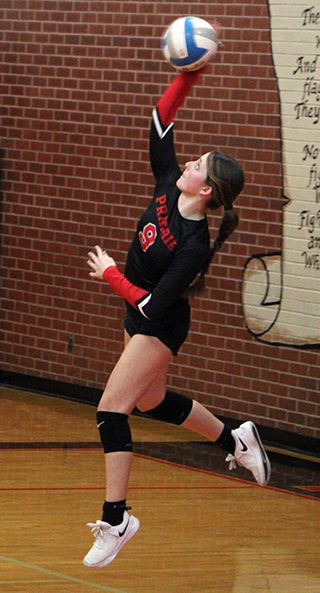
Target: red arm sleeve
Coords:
[[174, 95], [123, 287]]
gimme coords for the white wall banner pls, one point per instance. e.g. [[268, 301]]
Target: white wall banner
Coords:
[[281, 291]]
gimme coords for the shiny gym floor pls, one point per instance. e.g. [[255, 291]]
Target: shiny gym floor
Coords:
[[203, 528]]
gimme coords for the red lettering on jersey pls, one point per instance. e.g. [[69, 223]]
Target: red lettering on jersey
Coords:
[[148, 235], [162, 199], [166, 235], [162, 210], [171, 245], [168, 239], [165, 232], [163, 221]]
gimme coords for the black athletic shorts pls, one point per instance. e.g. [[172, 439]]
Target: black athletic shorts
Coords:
[[172, 329]]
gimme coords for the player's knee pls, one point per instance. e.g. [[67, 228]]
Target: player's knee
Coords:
[[175, 408], [115, 433]]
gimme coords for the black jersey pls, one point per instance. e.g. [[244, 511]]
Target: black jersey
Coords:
[[167, 251]]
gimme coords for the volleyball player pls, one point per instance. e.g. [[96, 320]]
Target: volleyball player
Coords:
[[166, 263]]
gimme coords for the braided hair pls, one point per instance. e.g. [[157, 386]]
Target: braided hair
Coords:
[[226, 178]]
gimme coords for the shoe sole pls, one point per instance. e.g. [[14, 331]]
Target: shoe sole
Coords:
[[265, 459], [133, 527]]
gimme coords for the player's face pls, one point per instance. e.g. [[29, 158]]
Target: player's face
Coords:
[[193, 178]]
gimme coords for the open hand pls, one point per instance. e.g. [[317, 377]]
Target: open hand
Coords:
[[99, 261]]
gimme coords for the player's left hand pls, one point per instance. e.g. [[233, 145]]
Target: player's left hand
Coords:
[[99, 261]]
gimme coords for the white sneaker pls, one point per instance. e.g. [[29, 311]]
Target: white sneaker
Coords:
[[249, 453], [109, 540]]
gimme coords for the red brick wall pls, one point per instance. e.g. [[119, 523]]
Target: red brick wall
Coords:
[[78, 82]]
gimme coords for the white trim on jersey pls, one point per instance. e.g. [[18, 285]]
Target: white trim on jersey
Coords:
[[158, 126], [143, 304]]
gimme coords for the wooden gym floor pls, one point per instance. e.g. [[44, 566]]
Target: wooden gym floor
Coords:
[[203, 529]]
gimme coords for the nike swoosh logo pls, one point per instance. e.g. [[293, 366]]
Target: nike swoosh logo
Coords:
[[121, 533], [244, 446], [100, 423]]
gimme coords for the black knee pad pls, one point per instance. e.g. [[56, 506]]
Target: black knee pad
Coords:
[[175, 408], [115, 433]]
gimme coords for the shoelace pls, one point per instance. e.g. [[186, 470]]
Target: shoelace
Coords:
[[98, 534], [232, 461]]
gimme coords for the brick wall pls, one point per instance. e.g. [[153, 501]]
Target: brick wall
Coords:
[[78, 82]]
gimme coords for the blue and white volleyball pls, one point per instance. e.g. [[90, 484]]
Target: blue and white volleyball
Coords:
[[189, 43]]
